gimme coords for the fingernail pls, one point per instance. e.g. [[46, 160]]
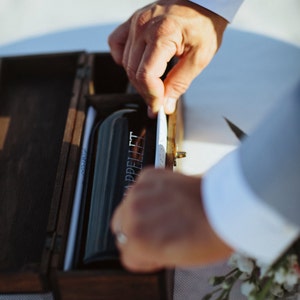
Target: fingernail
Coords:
[[170, 105]]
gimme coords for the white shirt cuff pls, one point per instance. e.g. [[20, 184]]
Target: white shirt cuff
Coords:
[[240, 218], [224, 8]]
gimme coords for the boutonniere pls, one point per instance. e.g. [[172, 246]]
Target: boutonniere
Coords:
[[259, 281]]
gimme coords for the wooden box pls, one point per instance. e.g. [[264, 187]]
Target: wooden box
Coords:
[[43, 102]]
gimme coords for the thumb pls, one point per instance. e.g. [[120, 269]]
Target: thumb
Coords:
[[179, 79]]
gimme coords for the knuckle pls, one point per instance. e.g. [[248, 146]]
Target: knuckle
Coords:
[[179, 87], [144, 79], [131, 73], [166, 35], [140, 19], [142, 76], [164, 26]]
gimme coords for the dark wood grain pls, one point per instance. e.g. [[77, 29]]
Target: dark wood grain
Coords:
[[36, 101], [22, 282], [109, 286]]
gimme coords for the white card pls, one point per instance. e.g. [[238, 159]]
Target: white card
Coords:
[[161, 139]]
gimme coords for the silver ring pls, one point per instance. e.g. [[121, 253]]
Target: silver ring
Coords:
[[121, 238]]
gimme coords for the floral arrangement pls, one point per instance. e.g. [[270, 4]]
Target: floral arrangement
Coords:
[[257, 280]]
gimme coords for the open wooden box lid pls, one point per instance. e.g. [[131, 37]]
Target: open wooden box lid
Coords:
[[42, 113]]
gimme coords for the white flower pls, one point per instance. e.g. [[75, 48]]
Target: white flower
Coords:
[[232, 260], [291, 278], [280, 275], [265, 270], [247, 288], [244, 264], [288, 277], [280, 280]]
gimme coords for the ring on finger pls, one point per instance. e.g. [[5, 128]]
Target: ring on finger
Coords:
[[121, 237]]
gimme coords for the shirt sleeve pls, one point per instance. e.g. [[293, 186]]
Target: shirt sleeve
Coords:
[[252, 196], [240, 218], [225, 8]]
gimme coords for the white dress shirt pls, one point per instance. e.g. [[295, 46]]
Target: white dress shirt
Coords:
[[234, 210], [225, 8], [240, 218]]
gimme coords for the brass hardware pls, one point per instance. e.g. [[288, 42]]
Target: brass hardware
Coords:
[[180, 154]]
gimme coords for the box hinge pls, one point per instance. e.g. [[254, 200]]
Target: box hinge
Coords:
[[83, 72], [54, 242]]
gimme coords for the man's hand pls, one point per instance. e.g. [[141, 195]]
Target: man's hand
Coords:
[[156, 33], [165, 224]]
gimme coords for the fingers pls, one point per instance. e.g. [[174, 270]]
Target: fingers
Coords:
[[156, 221], [153, 35], [145, 53], [165, 224], [145, 75], [136, 254], [145, 61], [133, 255], [151, 68], [117, 41]]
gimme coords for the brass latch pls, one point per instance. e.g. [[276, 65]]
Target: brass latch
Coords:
[[178, 154]]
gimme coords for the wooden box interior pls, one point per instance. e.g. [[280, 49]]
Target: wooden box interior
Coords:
[[42, 111]]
